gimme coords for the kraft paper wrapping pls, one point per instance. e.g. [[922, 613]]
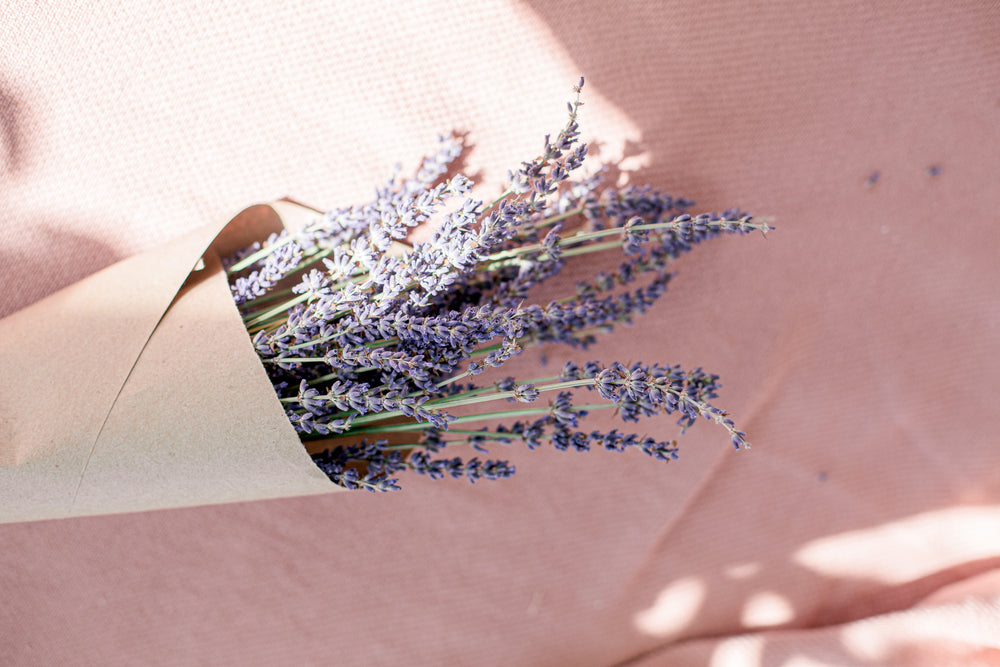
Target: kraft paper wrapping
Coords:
[[137, 388]]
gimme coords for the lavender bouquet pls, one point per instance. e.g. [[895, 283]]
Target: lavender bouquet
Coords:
[[374, 346]]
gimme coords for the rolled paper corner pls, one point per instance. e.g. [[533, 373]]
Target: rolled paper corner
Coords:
[[138, 388]]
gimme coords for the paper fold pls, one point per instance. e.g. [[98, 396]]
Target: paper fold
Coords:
[[138, 388]]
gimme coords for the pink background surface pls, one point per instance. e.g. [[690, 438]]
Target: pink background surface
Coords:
[[857, 345]]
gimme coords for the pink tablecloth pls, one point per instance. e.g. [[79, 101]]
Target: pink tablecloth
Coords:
[[857, 345]]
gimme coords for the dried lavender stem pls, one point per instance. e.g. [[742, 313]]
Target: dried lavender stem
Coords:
[[443, 403], [277, 310], [423, 426], [252, 259], [582, 237], [484, 390], [449, 403], [313, 258]]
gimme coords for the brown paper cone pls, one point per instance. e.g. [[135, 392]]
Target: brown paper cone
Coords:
[[138, 388]]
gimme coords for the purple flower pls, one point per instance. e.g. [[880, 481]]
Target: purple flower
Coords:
[[370, 339]]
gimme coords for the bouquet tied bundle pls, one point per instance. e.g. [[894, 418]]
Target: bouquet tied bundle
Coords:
[[139, 387], [364, 336]]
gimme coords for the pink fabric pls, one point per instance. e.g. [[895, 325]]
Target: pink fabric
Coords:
[[857, 344]]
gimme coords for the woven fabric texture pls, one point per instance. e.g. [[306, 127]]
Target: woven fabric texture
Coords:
[[857, 344]]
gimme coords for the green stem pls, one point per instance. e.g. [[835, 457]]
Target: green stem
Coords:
[[483, 390], [453, 401], [508, 192], [583, 237], [259, 255], [455, 441], [486, 434], [277, 310], [314, 256], [446, 403], [562, 216], [423, 426]]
